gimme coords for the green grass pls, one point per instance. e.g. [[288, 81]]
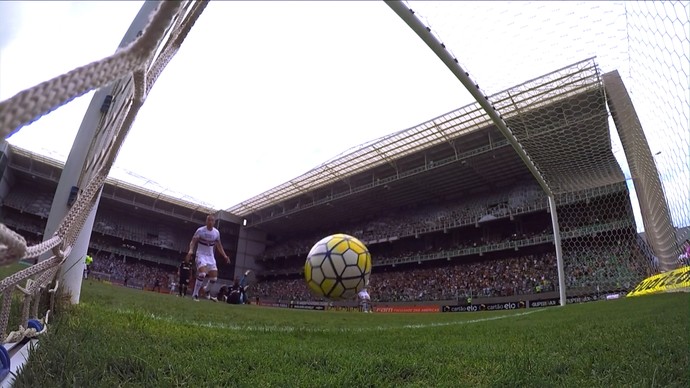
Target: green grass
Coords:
[[11, 269], [128, 338]]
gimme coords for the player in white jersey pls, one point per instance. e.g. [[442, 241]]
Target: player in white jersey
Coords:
[[364, 300], [206, 239], [684, 258]]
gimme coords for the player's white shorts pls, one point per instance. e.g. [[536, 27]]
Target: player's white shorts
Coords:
[[206, 261]]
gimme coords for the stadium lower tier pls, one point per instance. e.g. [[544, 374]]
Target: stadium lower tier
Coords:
[[511, 278]]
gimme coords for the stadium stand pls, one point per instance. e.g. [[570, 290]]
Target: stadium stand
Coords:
[[489, 245], [138, 229], [444, 217]]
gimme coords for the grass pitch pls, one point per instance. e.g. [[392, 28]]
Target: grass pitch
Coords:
[[129, 338]]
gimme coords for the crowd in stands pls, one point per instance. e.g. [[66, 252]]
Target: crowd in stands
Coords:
[[26, 200], [621, 263], [141, 274], [125, 248], [139, 230], [431, 217], [586, 265], [107, 222], [15, 220], [471, 211], [448, 247], [606, 267], [515, 276], [506, 277]]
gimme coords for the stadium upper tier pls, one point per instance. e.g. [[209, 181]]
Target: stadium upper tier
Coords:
[[39, 169], [560, 119]]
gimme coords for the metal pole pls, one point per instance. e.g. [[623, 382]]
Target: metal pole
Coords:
[[73, 268], [559, 252], [408, 16]]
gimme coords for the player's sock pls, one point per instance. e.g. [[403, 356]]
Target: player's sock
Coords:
[[198, 284], [212, 281], [205, 287]]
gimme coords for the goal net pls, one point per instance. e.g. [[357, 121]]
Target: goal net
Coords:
[[608, 135], [129, 74]]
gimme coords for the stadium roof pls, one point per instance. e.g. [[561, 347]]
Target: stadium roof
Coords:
[[476, 162], [558, 85]]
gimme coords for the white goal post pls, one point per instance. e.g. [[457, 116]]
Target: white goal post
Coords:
[[407, 15]]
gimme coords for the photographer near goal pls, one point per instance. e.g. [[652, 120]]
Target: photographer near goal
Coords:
[[205, 239]]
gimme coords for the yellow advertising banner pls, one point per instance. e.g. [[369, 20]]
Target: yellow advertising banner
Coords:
[[667, 281]]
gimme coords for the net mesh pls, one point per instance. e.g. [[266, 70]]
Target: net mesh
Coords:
[[614, 126], [132, 71], [658, 36]]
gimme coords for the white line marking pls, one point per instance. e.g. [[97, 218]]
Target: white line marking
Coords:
[[308, 329], [478, 320]]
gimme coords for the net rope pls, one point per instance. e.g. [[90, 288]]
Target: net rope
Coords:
[[134, 70]]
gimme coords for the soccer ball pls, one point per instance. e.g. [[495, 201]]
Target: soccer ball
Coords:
[[337, 267]]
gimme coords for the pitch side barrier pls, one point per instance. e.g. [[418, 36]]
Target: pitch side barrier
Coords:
[[525, 304], [463, 308]]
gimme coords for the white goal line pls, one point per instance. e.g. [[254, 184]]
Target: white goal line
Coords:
[[306, 329]]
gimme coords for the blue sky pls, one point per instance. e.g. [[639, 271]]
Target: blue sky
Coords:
[[262, 92]]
